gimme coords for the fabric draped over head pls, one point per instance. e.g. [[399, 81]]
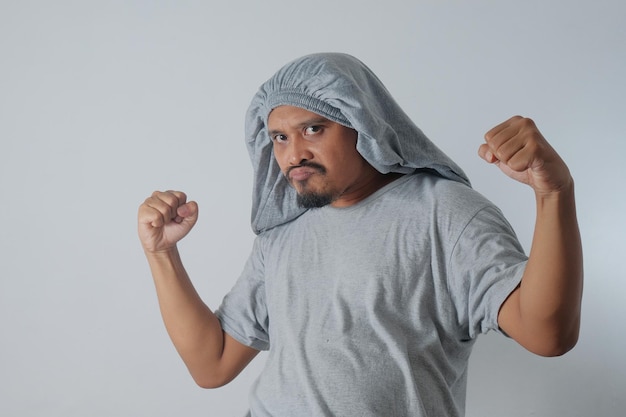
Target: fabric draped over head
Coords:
[[342, 89]]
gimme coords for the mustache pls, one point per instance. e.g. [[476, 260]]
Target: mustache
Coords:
[[307, 164]]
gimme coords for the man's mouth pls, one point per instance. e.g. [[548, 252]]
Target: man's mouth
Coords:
[[304, 172], [301, 174]]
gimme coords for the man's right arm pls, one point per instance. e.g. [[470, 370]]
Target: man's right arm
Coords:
[[211, 355]]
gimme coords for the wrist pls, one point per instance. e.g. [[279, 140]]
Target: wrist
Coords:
[[560, 203], [160, 252], [163, 256], [562, 192]]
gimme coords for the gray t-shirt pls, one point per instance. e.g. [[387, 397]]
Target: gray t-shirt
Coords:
[[372, 310]]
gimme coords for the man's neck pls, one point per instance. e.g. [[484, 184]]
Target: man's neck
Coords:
[[369, 187]]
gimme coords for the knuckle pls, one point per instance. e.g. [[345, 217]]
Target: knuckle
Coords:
[[166, 198], [149, 214], [180, 197], [527, 123]]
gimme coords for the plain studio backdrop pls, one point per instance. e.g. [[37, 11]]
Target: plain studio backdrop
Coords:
[[103, 102]]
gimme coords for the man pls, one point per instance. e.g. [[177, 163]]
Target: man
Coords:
[[376, 265]]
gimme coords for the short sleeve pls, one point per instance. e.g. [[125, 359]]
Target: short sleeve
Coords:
[[243, 312], [485, 266]]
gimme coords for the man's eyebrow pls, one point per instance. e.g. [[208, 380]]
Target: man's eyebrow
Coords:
[[314, 121], [308, 122]]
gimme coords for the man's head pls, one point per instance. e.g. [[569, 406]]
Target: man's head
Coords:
[[341, 89], [319, 158]]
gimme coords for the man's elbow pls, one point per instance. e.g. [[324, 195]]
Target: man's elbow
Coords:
[[557, 345], [555, 350], [210, 381], [215, 377]]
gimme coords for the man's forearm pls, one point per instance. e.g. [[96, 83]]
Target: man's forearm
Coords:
[[192, 326], [551, 289]]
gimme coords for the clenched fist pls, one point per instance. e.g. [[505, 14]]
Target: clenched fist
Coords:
[[164, 219], [522, 153]]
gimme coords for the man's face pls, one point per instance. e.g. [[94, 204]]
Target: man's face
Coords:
[[318, 157]]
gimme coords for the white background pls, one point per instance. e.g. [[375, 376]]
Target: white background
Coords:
[[103, 102]]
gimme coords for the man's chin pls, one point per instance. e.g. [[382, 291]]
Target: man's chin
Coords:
[[313, 200]]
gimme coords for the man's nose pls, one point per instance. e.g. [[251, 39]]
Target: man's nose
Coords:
[[299, 151]]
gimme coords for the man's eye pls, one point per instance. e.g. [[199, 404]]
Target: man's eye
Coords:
[[279, 138], [313, 129]]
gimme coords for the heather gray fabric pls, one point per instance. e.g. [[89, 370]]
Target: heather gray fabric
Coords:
[[372, 310], [342, 89]]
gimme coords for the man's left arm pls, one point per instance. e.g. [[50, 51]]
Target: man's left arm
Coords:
[[543, 313]]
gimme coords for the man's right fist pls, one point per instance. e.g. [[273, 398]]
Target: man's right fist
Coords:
[[164, 219]]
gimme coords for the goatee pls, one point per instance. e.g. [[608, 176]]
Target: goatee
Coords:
[[308, 199], [314, 200]]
